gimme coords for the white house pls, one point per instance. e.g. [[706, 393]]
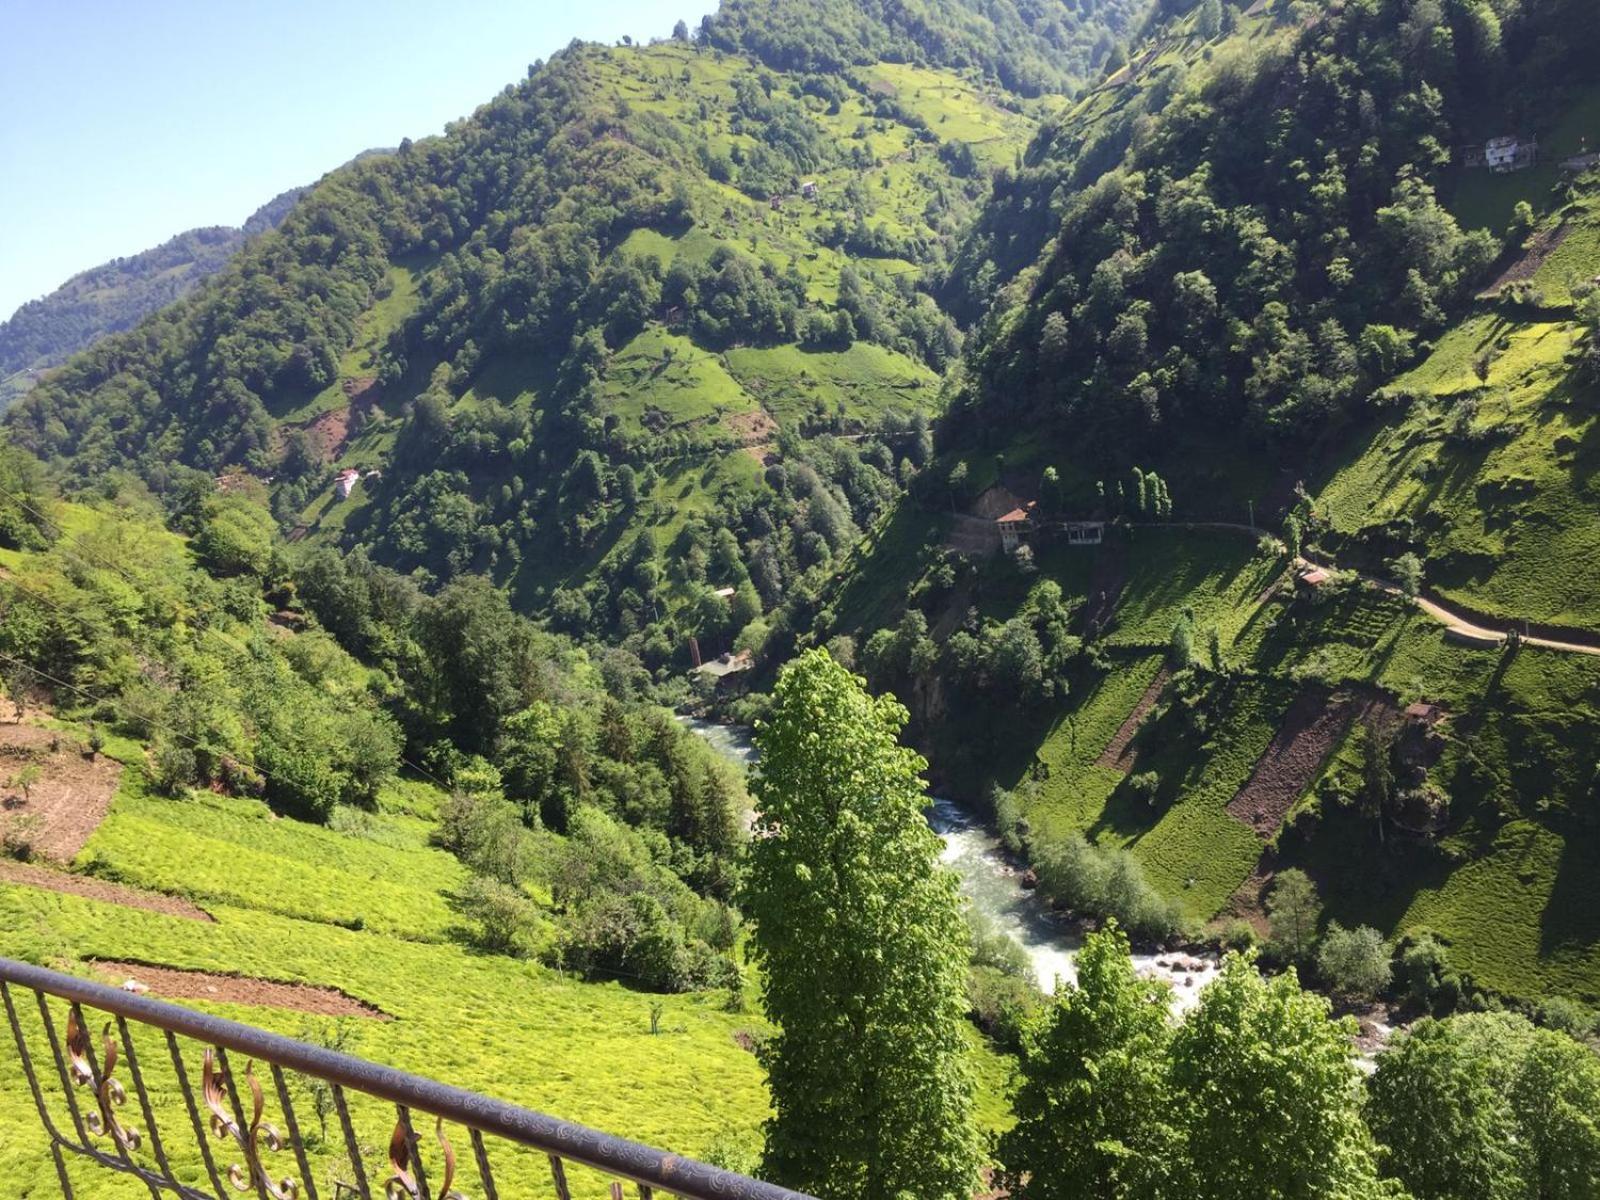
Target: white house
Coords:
[[346, 482], [1084, 533], [1504, 154]]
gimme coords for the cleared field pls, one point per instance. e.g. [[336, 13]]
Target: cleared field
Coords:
[[795, 385], [370, 912]]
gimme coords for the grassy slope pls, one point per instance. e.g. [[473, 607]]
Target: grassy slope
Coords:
[[690, 396], [284, 895], [371, 910], [1498, 472], [282, 892], [1506, 883]]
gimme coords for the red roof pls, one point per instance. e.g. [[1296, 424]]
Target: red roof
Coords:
[[1315, 576], [1016, 514]]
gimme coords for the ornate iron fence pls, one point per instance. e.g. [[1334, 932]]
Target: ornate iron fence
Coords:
[[83, 1107]]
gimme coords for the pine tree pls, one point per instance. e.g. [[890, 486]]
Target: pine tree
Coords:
[[860, 934]]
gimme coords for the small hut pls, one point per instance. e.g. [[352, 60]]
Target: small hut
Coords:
[[1014, 525]]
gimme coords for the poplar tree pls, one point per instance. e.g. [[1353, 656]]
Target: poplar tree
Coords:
[[860, 934]]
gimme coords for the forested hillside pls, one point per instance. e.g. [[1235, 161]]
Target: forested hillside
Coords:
[[316, 774], [1247, 303], [1187, 437], [117, 295], [1034, 47], [656, 322]]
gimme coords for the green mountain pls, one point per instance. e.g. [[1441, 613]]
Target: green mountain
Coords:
[[1248, 300], [656, 302], [117, 295], [358, 591], [1031, 48], [744, 342]]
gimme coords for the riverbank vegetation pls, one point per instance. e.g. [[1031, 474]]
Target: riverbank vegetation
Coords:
[[1115, 1101]]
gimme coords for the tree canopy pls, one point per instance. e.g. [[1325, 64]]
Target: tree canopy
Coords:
[[860, 933]]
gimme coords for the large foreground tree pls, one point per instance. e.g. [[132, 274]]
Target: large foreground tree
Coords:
[[1271, 1095], [1487, 1105], [861, 937], [1095, 1112]]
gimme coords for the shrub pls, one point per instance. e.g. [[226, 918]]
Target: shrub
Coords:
[[1294, 909], [1007, 818], [301, 779], [1238, 934], [1003, 1005], [508, 922], [733, 1153], [17, 840], [1354, 962], [1107, 883], [486, 833], [1407, 571], [173, 766], [1145, 785], [1567, 1015], [994, 949], [635, 937], [1425, 978]]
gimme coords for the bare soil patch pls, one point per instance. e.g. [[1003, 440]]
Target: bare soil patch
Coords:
[[974, 537], [1310, 730], [53, 794], [1249, 899], [330, 432], [1527, 266], [752, 428], [1118, 754], [996, 503], [31, 875], [1107, 577], [175, 984]]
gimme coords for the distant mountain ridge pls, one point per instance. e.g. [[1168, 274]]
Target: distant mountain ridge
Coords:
[[1031, 47], [117, 295]]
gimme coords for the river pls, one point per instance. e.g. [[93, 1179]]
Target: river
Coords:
[[994, 889]]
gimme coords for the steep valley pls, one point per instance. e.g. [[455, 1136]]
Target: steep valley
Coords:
[[1160, 400]]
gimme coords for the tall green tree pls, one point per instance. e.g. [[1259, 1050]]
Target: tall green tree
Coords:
[[1095, 1112], [1487, 1105], [1294, 908], [862, 940], [1271, 1097]]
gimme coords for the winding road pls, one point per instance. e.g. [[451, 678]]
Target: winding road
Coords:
[[1466, 625], [1456, 621]]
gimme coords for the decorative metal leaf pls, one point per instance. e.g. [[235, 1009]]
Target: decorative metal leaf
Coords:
[[108, 1091], [402, 1182], [78, 1048], [445, 1190], [243, 1176], [222, 1125]]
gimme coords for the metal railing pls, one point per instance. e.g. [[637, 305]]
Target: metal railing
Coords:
[[81, 1097]]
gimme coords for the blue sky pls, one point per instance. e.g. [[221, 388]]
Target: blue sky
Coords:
[[123, 122]]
